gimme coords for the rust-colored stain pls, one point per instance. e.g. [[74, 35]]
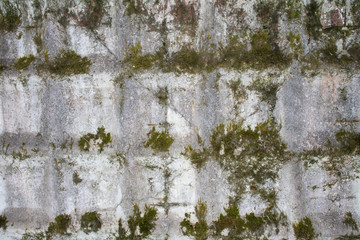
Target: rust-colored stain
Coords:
[[152, 124], [332, 18]]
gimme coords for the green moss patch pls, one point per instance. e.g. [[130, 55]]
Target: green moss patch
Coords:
[[67, 63], [236, 227], [100, 139], [349, 221], [159, 141], [136, 60], [304, 229], [140, 225], [252, 156], [132, 7], [3, 222], [90, 222], [10, 16], [267, 91], [60, 226], [23, 63], [198, 230]]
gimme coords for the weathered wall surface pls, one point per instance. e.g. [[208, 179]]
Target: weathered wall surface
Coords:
[[288, 71]]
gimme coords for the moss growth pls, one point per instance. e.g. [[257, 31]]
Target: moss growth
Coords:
[[329, 55], [90, 222], [349, 237], [159, 141], [349, 221], [295, 44], [10, 17], [38, 42], [163, 96], [253, 223], [2, 68], [197, 157], [185, 60], [293, 9], [267, 91], [265, 53], [93, 14], [231, 221], [66, 63], [34, 236], [23, 63], [237, 88], [250, 155], [60, 226], [3, 222], [199, 230], [22, 154], [136, 60], [132, 7], [100, 139], [304, 230], [355, 11], [76, 178], [140, 227], [349, 142], [312, 20]]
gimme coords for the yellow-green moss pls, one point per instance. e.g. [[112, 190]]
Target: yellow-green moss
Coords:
[[258, 153], [38, 42], [304, 229], [267, 90], [295, 44], [159, 141], [231, 221], [90, 222], [60, 226], [131, 7], [136, 60], [23, 63], [293, 9], [10, 16], [140, 227], [349, 221], [198, 230], [100, 139], [66, 63]]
